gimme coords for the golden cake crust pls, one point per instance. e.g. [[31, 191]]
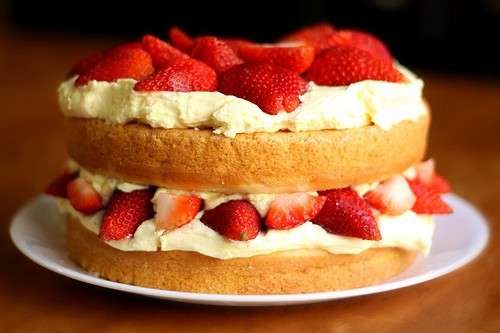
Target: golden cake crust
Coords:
[[191, 159], [285, 272]]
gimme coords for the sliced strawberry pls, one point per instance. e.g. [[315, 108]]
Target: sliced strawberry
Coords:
[[85, 64], [173, 211], [295, 56], [215, 53], [83, 197], [180, 39], [237, 43], [185, 75], [58, 187], [236, 219], [346, 213], [361, 40], [316, 35], [392, 196], [428, 201], [133, 63], [125, 213], [339, 66], [290, 210], [427, 174], [162, 53], [272, 88]]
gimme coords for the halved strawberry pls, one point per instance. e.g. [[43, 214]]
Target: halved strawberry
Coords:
[[125, 213], [316, 35], [58, 187], [236, 220], [271, 87], [180, 39], [133, 63], [427, 174], [173, 211], [340, 65], [346, 213], [290, 210], [392, 196], [162, 53], [236, 43], [83, 197], [215, 53], [295, 56], [184, 75], [360, 40], [428, 201]]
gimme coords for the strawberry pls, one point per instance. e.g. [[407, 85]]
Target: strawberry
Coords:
[[133, 63], [85, 64], [162, 53], [173, 211], [83, 197], [185, 75], [290, 210], [235, 219], [180, 39], [342, 65], [236, 43], [428, 201], [392, 196], [346, 213], [316, 35], [361, 40], [215, 53], [272, 88], [295, 56], [427, 174], [125, 213], [58, 187]]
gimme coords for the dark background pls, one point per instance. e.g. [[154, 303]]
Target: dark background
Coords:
[[440, 35]]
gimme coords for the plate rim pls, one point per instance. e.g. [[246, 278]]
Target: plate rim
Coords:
[[250, 300]]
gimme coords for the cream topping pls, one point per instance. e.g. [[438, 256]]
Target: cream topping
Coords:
[[323, 107]]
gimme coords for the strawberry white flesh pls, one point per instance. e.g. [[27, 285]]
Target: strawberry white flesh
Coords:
[[392, 196], [425, 171], [290, 210], [173, 211]]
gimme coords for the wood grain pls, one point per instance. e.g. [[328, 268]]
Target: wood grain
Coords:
[[464, 141]]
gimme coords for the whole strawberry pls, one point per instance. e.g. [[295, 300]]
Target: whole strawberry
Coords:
[[185, 75], [345, 213], [162, 53], [236, 220], [361, 40], [125, 212], [180, 39], [271, 87], [341, 65], [215, 53]]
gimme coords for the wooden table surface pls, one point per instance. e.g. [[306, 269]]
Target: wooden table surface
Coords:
[[464, 140]]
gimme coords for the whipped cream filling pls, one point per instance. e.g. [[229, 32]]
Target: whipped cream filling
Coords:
[[323, 107], [408, 231]]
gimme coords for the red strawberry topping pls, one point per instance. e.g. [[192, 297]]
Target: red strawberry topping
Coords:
[[185, 75], [162, 53], [295, 56], [83, 197], [427, 174], [133, 63], [291, 210], [215, 53], [180, 39], [428, 201], [237, 43], [272, 88], [316, 35], [124, 214], [173, 211], [346, 213], [85, 64], [341, 65], [361, 40], [58, 187], [392, 196], [236, 220]]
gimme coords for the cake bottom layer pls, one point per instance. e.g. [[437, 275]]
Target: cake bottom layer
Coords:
[[297, 271]]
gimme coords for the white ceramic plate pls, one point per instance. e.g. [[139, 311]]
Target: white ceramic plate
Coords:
[[38, 233]]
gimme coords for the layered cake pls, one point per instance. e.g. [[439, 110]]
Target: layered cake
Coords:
[[221, 165]]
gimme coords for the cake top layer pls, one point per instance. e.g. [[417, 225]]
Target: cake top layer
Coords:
[[316, 78]]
